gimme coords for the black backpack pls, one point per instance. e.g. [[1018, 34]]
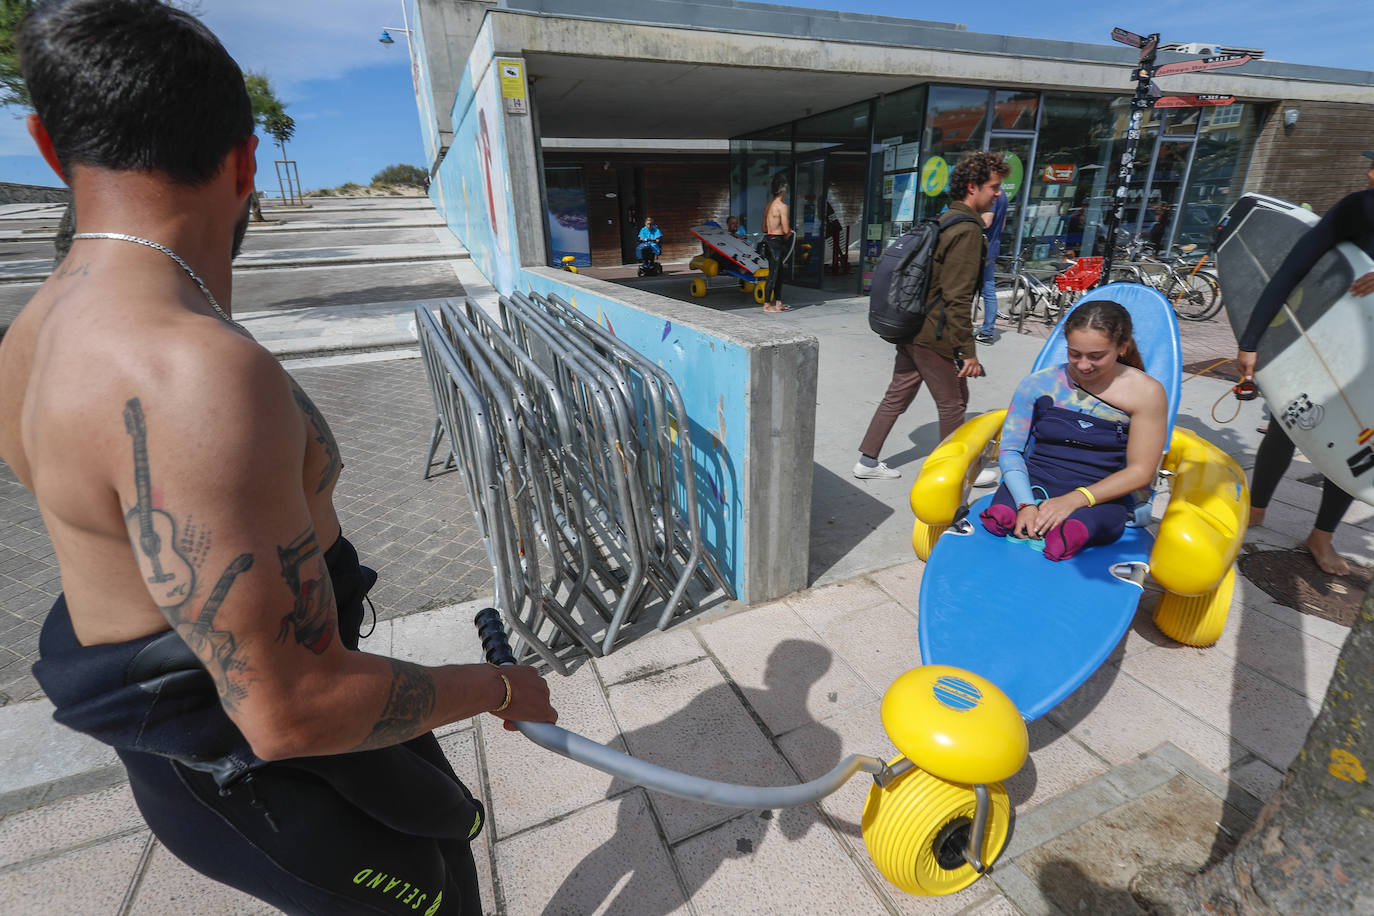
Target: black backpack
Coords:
[[897, 304]]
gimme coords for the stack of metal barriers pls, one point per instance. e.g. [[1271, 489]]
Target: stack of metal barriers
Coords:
[[575, 454]]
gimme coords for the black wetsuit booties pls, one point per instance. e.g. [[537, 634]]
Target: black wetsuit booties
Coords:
[[383, 831]]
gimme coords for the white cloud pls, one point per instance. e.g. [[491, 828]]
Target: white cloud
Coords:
[[294, 41]]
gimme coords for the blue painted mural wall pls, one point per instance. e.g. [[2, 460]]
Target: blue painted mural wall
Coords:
[[471, 191], [712, 376]]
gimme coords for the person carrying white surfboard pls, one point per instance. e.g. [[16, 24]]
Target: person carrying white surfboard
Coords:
[[1351, 220]]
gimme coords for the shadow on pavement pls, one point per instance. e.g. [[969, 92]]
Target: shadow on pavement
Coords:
[[606, 881]]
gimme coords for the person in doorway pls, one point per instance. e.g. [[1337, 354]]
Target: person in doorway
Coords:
[[995, 220], [1351, 220], [943, 354], [732, 227], [777, 237], [209, 619], [1085, 435]]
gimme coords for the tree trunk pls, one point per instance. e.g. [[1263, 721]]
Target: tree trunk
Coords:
[[257, 207], [1312, 848]]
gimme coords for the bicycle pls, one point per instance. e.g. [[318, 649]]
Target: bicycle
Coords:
[[1194, 294], [1038, 289]]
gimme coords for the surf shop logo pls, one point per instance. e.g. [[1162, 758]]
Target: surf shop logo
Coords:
[[1303, 414]]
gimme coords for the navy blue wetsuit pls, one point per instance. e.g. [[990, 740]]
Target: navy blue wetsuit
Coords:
[[381, 831], [1058, 437]]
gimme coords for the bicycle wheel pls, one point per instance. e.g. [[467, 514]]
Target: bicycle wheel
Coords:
[[1192, 297], [1211, 278], [1021, 298]]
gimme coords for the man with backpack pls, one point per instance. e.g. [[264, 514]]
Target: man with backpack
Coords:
[[934, 335]]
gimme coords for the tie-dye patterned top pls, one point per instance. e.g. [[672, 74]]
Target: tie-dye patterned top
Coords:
[[1050, 388]]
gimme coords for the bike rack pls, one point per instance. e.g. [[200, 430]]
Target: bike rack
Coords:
[[574, 452]]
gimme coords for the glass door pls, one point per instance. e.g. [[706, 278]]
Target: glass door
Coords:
[[1019, 154], [807, 204]]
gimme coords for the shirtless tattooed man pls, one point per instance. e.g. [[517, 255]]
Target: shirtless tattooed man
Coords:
[[208, 627]]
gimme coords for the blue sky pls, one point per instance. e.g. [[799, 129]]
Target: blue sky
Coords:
[[355, 110]]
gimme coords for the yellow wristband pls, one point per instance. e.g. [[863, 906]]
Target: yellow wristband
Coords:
[[506, 702], [1092, 500]]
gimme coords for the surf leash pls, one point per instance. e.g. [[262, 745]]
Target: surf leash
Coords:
[[1244, 390]]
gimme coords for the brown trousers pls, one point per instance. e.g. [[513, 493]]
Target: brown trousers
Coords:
[[916, 364]]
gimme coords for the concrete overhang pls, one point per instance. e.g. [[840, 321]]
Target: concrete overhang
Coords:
[[595, 76]]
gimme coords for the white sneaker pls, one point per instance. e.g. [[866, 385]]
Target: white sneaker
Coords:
[[986, 477], [880, 472]]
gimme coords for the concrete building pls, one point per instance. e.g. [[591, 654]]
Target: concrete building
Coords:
[[553, 126]]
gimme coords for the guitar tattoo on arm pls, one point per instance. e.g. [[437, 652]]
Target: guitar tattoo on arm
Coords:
[[169, 575], [218, 649]]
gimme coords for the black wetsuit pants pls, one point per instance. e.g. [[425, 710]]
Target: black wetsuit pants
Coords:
[[1272, 459], [777, 250], [284, 837]]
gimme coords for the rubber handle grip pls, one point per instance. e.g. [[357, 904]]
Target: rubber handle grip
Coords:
[[492, 632]]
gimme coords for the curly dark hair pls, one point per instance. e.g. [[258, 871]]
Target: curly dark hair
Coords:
[[973, 170]]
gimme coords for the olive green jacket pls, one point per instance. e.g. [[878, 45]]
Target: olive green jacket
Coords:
[[955, 277]]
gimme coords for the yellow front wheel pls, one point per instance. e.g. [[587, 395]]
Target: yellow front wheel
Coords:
[[917, 830], [698, 287], [1196, 620], [758, 293]]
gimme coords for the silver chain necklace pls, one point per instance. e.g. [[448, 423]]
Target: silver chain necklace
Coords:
[[175, 257]]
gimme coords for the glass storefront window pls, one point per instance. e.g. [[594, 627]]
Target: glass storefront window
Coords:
[[1225, 140], [955, 123], [897, 122], [1015, 110], [754, 160], [1070, 183]]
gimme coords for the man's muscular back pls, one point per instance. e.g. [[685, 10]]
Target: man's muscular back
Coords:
[[111, 397]]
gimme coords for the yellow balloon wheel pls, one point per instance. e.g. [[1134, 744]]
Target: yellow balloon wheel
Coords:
[[710, 266], [923, 537], [698, 287], [1197, 620], [758, 293], [917, 830]]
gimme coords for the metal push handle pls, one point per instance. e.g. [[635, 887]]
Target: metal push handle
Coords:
[[660, 779]]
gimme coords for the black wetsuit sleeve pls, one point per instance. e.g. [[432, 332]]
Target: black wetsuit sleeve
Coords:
[[1342, 223]]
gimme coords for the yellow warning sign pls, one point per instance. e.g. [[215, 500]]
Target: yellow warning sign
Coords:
[[512, 78]]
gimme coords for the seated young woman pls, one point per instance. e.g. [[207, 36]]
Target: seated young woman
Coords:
[[1080, 439]]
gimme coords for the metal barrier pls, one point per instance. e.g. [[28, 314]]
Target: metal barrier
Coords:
[[575, 452]]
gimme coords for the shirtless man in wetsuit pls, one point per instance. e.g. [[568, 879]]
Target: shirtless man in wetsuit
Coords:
[[186, 480], [777, 228]]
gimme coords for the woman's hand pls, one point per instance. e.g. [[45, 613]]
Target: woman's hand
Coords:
[[1025, 521], [1054, 511]]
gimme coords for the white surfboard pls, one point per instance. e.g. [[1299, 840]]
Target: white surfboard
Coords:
[[732, 247], [1316, 360]]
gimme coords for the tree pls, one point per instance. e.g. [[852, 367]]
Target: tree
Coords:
[[269, 113], [12, 88], [1312, 848], [400, 174]]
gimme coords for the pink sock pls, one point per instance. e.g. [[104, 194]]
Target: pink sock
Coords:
[[999, 519], [1066, 540]]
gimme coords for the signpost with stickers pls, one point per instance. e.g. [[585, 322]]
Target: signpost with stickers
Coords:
[[1148, 95]]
